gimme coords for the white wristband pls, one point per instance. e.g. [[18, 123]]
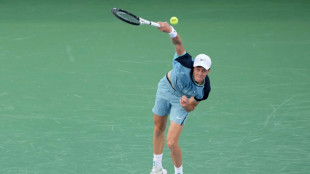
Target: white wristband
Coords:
[[173, 33]]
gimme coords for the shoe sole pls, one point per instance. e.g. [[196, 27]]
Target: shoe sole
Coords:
[[163, 172]]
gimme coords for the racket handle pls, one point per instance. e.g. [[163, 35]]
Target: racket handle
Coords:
[[143, 21], [154, 24]]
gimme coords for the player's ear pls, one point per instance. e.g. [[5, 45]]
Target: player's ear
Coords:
[[208, 71]]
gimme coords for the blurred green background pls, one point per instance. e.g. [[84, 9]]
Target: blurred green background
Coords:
[[78, 85]]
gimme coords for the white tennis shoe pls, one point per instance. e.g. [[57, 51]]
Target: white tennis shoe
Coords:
[[158, 171]]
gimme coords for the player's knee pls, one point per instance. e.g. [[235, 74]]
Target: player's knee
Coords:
[[159, 125], [172, 144], [159, 130]]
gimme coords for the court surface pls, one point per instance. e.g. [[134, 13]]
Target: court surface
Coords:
[[78, 85]]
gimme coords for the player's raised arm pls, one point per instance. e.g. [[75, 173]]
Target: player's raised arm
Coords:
[[175, 38]]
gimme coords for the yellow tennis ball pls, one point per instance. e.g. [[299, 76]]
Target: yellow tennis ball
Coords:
[[174, 20]]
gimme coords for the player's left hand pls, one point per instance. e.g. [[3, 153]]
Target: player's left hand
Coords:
[[184, 101]]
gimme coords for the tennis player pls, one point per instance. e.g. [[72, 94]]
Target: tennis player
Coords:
[[178, 93]]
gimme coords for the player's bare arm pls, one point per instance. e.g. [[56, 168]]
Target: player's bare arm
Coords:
[[188, 104], [177, 42]]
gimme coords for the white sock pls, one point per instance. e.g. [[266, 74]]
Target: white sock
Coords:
[[157, 161], [178, 170]]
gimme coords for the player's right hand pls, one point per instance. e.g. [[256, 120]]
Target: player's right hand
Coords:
[[164, 27]]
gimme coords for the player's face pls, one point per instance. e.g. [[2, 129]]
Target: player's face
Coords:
[[200, 74]]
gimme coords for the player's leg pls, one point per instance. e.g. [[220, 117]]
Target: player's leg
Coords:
[[178, 118], [173, 135], [160, 123], [161, 111]]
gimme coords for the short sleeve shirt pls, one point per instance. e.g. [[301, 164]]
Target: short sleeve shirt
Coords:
[[182, 78]]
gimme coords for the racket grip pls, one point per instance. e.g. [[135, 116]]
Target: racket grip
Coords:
[[154, 24], [143, 21]]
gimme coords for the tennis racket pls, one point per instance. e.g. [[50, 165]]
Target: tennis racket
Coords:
[[131, 18]]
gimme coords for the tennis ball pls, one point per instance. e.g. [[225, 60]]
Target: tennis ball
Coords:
[[174, 20]]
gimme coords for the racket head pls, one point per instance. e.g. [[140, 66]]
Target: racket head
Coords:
[[126, 16]]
